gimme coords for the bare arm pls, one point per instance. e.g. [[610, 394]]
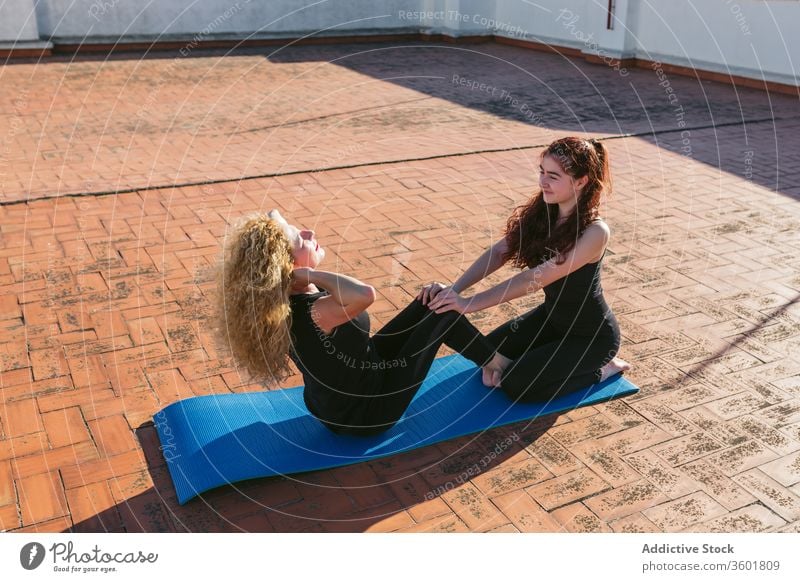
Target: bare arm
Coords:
[[348, 297], [486, 264], [590, 244]]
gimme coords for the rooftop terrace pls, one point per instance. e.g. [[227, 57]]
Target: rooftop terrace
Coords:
[[120, 175]]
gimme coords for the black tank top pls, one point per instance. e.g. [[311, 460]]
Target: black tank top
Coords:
[[575, 303], [336, 368]]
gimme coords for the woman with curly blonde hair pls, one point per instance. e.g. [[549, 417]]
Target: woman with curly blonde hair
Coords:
[[275, 306]]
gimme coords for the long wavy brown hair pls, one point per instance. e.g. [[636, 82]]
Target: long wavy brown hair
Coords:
[[531, 232], [252, 314]]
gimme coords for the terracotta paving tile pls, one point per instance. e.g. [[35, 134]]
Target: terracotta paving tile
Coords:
[[58, 525], [673, 482], [621, 411], [751, 519], [736, 405], [764, 388], [429, 509], [688, 448], [128, 486], [664, 418], [21, 418], [410, 489], [726, 433], [7, 493], [24, 445], [51, 459], [525, 513], [687, 397], [785, 470], [779, 414], [742, 457], [633, 439], [567, 488], [625, 500], [677, 515], [146, 513], [591, 427], [101, 469], [507, 528], [93, 509], [510, 476], [66, 398], [395, 522], [792, 527], [65, 426], [128, 377], [112, 435], [41, 498], [87, 371], [473, 508], [21, 378], [554, 457], [9, 517], [634, 523], [770, 437], [442, 524], [718, 485], [359, 482], [793, 430], [257, 523], [138, 407], [48, 363], [605, 463], [779, 499], [577, 518]]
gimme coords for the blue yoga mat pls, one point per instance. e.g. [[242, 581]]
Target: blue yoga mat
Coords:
[[215, 440]]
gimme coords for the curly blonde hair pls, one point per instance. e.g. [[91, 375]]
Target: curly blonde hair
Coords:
[[252, 313]]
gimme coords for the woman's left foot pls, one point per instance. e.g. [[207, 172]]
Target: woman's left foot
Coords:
[[615, 366]]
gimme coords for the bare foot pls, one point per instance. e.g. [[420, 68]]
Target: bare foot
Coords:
[[493, 371], [615, 366]]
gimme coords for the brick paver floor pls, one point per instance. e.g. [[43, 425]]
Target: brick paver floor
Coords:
[[118, 179]]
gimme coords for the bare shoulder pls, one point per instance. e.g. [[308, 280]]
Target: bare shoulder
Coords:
[[598, 229], [600, 225], [597, 234]]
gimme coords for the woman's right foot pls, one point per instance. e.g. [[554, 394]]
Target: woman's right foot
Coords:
[[493, 371], [615, 366]]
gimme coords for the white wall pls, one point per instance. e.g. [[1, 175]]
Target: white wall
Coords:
[[113, 19], [751, 38], [742, 37], [18, 21], [547, 21]]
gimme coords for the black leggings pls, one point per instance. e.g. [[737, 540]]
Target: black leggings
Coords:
[[415, 335], [548, 363]]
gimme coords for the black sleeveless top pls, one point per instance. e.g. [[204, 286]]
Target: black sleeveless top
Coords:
[[575, 303], [336, 368]]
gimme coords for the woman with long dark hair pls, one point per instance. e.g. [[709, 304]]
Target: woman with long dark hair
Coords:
[[273, 306], [571, 340]]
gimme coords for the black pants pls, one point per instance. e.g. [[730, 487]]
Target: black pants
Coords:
[[415, 336], [548, 363]]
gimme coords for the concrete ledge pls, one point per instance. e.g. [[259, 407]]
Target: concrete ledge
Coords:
[[25, 49], [708, 74], [110, 45]]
